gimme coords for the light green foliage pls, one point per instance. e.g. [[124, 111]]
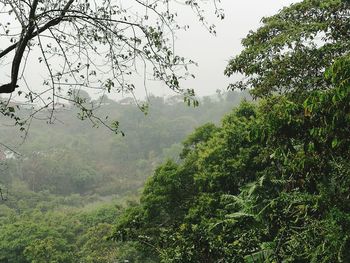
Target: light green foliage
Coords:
[[49, 249], [95, 246], [66, 235]]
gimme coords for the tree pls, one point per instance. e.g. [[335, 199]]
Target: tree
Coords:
[[271, 184], [291, 51], [95, 247], [50, 249], [91, 44]]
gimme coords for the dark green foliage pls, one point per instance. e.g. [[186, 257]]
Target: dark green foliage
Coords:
[[271, 184]]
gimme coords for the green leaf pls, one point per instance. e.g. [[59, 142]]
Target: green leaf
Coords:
[[335, 143]]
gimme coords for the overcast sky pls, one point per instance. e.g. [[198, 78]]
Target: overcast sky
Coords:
[[212, 53]]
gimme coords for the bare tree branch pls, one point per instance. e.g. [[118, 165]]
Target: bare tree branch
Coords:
[[93, 44], [25, 37]]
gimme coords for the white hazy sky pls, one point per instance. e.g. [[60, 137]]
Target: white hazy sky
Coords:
[[210, 52], [213, 52]]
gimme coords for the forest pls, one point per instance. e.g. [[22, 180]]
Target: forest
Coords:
[[72, 181], [257, 174]]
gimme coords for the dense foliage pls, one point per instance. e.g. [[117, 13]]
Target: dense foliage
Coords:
[[271, 183], [56, 230]]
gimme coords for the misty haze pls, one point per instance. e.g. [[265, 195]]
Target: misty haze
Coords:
[[201, 131]]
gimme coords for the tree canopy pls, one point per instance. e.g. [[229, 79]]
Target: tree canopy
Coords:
[[271, 184], [292, 50]]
